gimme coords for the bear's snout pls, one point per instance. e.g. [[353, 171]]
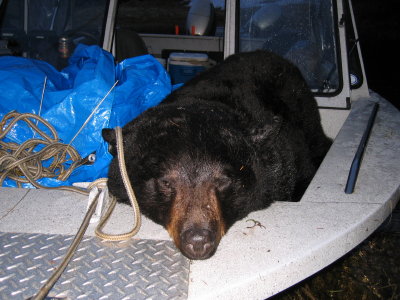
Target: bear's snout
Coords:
[[198, 243], [195, 220]]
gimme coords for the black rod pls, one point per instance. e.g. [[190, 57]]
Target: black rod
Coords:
[[355, 165]]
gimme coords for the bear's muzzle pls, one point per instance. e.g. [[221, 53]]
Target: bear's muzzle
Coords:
[[196, 224]]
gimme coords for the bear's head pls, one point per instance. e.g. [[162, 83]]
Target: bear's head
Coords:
[[192, 172]]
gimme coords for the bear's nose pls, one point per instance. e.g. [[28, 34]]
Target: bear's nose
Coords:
[[198, 243]]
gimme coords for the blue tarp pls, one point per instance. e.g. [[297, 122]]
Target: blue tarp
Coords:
[[72, 94]]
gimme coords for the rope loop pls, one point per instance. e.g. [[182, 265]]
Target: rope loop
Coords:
[[136, 210]]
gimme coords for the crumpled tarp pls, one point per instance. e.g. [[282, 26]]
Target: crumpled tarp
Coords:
[[71, 95]]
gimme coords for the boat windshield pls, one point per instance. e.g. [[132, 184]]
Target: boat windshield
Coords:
[[50, 30], [302, 31]]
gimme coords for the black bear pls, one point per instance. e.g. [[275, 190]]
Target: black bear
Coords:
[[231, 141]]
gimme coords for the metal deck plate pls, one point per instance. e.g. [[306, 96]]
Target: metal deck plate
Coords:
[[135, 269]]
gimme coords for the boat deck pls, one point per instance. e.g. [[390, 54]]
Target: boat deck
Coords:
[[291, 242]]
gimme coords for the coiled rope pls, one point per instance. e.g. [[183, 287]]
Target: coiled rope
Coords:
[[23, 163]]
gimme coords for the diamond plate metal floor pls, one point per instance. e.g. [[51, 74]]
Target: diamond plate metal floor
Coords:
[[135, 269]]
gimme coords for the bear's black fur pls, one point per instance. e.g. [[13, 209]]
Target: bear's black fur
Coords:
[[231, 141]]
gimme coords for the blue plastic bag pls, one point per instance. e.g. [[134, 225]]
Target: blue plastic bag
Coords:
[[71, 96]]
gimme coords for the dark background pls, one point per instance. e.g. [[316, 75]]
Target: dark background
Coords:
[[379, 33]]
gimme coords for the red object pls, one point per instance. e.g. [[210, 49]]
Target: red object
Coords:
[[193, 30], [177, 29]]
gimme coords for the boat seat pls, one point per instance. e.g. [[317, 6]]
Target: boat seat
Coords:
[[128, 44]]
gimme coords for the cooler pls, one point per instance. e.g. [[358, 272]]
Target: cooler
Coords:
[[184, 66]]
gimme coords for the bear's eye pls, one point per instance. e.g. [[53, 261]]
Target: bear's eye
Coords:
[[165, 189], [164, 183]]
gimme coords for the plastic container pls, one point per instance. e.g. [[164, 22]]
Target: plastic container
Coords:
[[184, 66]]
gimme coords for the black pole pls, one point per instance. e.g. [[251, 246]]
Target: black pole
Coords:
[[355, 165]]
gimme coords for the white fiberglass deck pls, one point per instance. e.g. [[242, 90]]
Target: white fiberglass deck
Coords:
[[295, 239]]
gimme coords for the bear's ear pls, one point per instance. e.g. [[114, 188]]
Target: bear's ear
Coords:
[[268, 131], [109, 137]]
